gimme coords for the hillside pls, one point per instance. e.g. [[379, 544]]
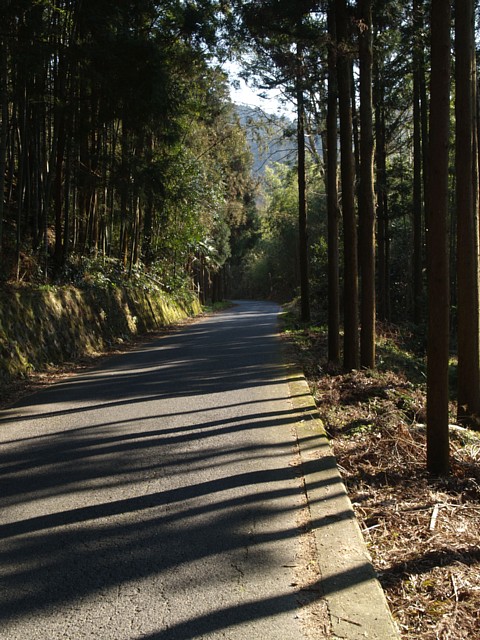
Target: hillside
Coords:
[[271, 138]]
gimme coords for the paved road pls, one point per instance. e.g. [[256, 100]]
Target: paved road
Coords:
[[155, 497]]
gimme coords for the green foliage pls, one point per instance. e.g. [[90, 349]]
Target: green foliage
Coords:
[[270, 267], [143, 159]]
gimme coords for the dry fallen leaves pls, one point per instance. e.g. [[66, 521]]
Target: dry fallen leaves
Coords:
[[422, 532]]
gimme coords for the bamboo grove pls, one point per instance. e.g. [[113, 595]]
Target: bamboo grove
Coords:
[[117, 138]]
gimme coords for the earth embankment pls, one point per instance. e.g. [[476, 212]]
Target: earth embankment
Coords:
[[43, 326]]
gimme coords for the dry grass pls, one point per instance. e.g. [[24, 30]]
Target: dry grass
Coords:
[[422, 532]]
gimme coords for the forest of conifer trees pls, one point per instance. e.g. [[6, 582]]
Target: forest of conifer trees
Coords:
[[124, 165], [118, 140], [119, 143]]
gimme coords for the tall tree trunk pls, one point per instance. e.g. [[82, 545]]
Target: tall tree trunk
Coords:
[[67, 199], [383, 223], [124, 188], [467, 216], [3, 129], [383, 240], [351, 342], [148, 218], [22, 175], [60, 134], [417, 165], [58, 185], [302, 195], [437, 243], [355, 127], [366, 192], [424, 105], [332, 195]]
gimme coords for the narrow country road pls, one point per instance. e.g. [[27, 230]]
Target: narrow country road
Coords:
[[156, 497]]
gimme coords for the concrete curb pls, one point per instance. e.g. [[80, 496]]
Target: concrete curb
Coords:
[[356, 602]]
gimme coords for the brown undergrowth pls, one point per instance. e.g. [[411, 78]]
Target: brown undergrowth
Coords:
[[422, 532]]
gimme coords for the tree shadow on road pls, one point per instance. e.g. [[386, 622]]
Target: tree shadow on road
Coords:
[[150, 471]]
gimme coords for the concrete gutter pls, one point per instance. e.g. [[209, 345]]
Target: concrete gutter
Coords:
[[356, 602]]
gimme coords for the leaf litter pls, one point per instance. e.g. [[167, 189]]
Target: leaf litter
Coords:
[[422, 532]]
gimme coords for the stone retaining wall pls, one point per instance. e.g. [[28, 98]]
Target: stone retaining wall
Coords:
[[39, 327]]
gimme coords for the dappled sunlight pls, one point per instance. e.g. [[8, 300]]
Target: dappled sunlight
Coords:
[[169, 490]]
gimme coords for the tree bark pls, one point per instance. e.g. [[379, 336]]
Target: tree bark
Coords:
[[383, 231], [302, 195], [366, 191], [437, 243], [351, 341], [3, 128], [467, 216], [60, 132], [417, 166], [332, 195]]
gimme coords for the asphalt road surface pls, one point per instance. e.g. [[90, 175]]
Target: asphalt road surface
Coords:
[[156, 496]]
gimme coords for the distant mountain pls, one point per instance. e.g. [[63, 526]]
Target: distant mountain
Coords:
[[271, 138]]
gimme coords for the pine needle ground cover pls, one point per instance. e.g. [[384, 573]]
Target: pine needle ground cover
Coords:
[[422, 532]]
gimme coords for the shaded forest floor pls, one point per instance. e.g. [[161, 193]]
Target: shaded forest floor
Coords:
[[422, 532]]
